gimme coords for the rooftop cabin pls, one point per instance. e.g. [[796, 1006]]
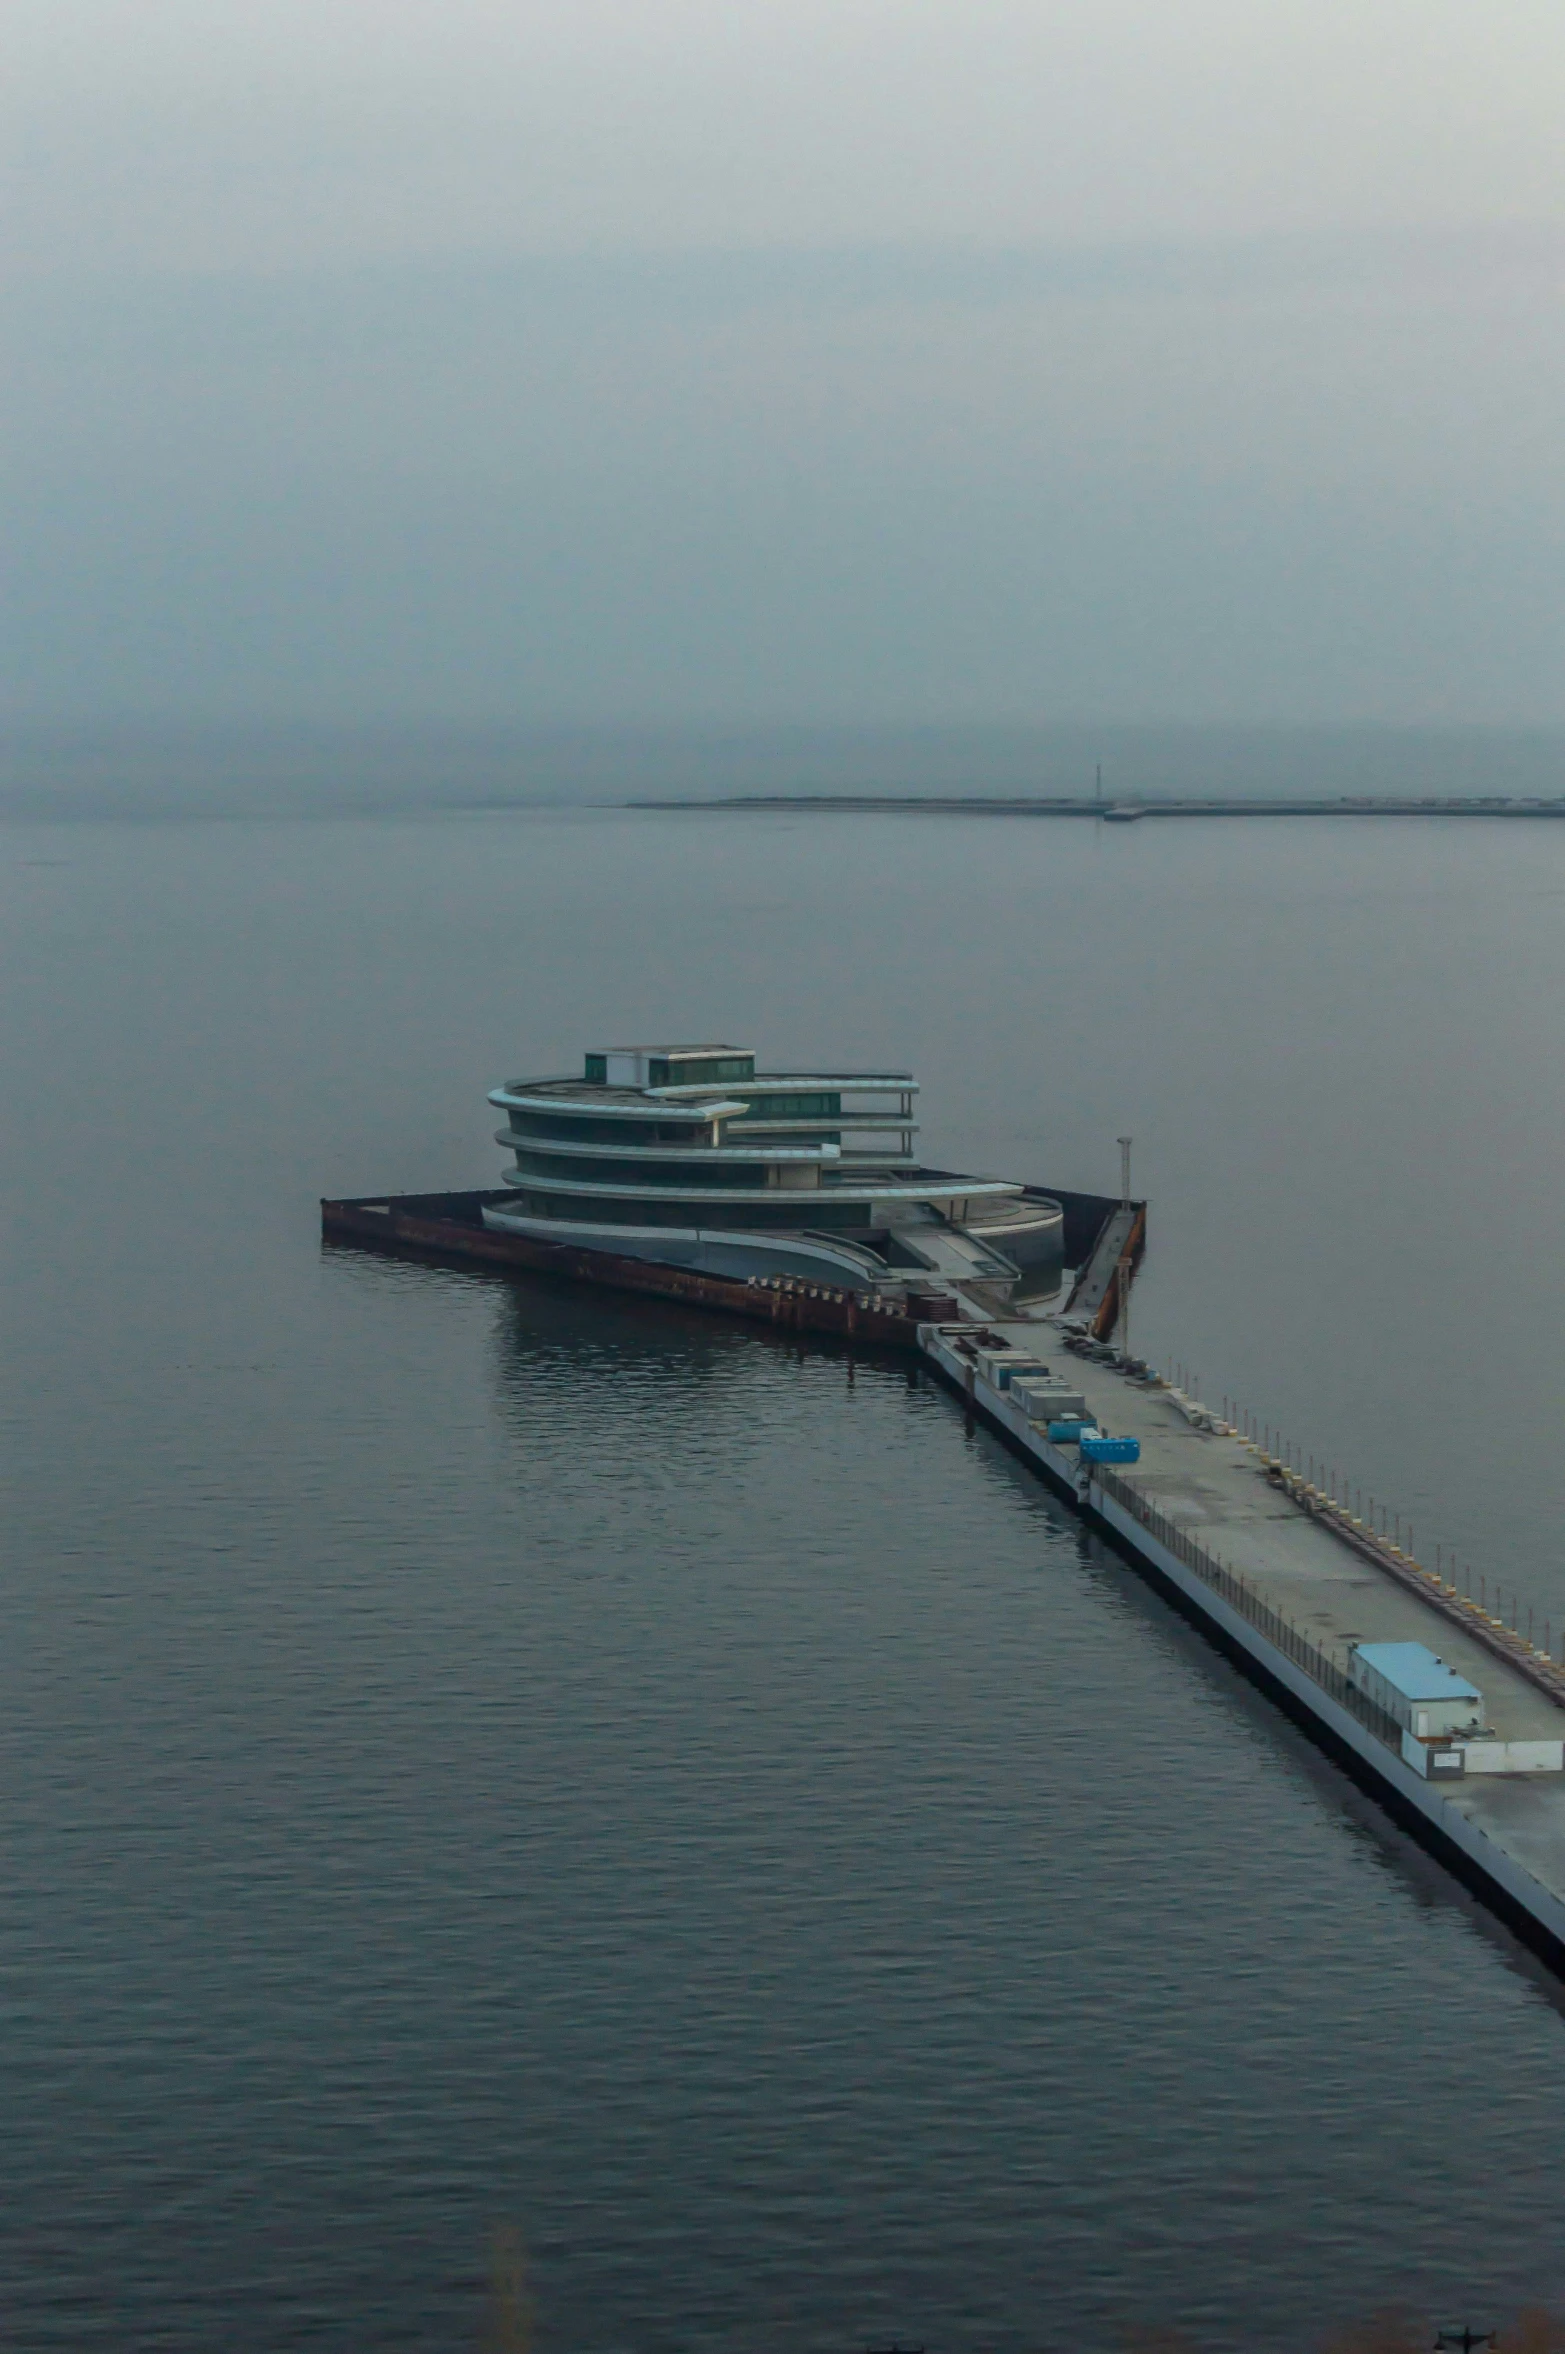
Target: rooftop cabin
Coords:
[[808, 1103], [669, 1066]]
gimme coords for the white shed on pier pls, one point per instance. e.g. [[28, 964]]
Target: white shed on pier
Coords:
[[1414, 1685]]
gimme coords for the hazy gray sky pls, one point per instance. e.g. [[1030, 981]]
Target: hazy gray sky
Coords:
[[763, 360]]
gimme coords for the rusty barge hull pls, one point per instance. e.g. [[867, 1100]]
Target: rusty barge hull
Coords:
[[450, 1226]]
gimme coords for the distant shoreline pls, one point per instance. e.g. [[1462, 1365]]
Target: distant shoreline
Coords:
[[1112, 812]]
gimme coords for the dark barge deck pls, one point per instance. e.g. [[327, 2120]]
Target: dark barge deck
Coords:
[[451, 1226]]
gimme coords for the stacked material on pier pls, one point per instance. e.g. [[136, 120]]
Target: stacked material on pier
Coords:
[[1003, 1364], [1048, 1401]]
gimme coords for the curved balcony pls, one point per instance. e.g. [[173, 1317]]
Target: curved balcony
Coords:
[[583, 1099], [890, 1188], [689, 1156], [825, 1082]]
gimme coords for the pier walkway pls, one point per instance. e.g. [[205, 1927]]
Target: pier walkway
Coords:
[[1275, 1579]]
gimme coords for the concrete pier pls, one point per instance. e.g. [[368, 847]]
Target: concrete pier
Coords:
[[1276, 1581], [1277, 1574]]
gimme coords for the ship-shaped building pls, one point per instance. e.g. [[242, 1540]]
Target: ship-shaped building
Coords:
[[690, 1156]]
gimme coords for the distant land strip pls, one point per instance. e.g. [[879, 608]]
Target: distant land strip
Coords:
[[1117, 812]]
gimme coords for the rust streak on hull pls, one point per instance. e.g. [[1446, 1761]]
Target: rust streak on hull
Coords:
[[451, 1226]]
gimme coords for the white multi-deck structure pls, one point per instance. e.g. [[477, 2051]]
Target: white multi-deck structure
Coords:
[[688, 1155]]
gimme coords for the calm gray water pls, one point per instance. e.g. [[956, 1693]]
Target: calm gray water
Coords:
[[482, 1757]]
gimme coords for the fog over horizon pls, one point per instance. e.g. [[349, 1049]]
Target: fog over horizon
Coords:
[[758, 366]]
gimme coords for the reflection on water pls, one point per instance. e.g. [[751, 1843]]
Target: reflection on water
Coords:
[[481, 1754]]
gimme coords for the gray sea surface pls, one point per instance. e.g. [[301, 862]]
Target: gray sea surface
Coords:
[[481, 1757]]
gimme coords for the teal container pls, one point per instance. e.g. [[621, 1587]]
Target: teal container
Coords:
[[1066, 1434], [1099, 1449]]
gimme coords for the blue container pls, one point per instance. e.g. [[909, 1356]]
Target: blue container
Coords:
[[1098, 1449], [1065, 1434]]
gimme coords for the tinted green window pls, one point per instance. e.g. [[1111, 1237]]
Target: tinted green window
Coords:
[[795, 1107], [837, 1216], [586, 1129], [598, 1068], [682, 1175], [698, 1070]]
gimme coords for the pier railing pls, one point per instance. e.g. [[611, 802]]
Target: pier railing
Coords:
[[1275, 1625]]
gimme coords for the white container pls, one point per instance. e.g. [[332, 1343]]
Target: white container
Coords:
[[1044, 1401]]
